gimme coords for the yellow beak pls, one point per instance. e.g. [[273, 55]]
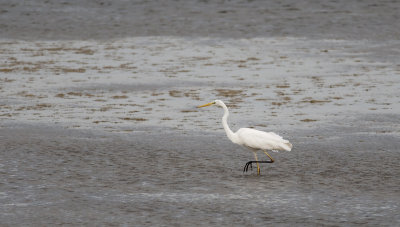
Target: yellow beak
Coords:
[[208, 104]]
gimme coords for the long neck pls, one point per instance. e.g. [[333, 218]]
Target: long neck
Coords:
[[229, 133]]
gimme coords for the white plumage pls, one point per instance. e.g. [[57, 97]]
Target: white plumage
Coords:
[[252, 138], [262, 140]]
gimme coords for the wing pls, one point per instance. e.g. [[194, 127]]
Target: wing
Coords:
[[262, 140]]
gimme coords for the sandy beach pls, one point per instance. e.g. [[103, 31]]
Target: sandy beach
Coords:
[[99, 125]]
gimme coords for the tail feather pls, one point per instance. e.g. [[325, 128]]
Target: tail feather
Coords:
[[288, 146]]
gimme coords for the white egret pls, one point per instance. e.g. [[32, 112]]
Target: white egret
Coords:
[[254, 139]]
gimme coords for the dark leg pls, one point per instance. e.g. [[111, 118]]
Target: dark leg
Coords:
[[246, 167]]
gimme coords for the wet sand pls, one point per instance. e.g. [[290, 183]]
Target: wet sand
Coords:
[[99, 126]]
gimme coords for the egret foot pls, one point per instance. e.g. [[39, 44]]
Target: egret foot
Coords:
[[246, 167], [250, 164]]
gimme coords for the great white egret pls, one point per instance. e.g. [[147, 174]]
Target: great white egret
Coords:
[[254, 139]]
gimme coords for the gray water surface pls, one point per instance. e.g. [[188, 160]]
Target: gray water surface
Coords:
[[341, 19], [55, 176]]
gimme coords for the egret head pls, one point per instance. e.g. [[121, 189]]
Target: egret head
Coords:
[[215, 102]]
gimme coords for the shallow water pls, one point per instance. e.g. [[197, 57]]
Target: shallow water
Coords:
[[53, 176], [106, 20]]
